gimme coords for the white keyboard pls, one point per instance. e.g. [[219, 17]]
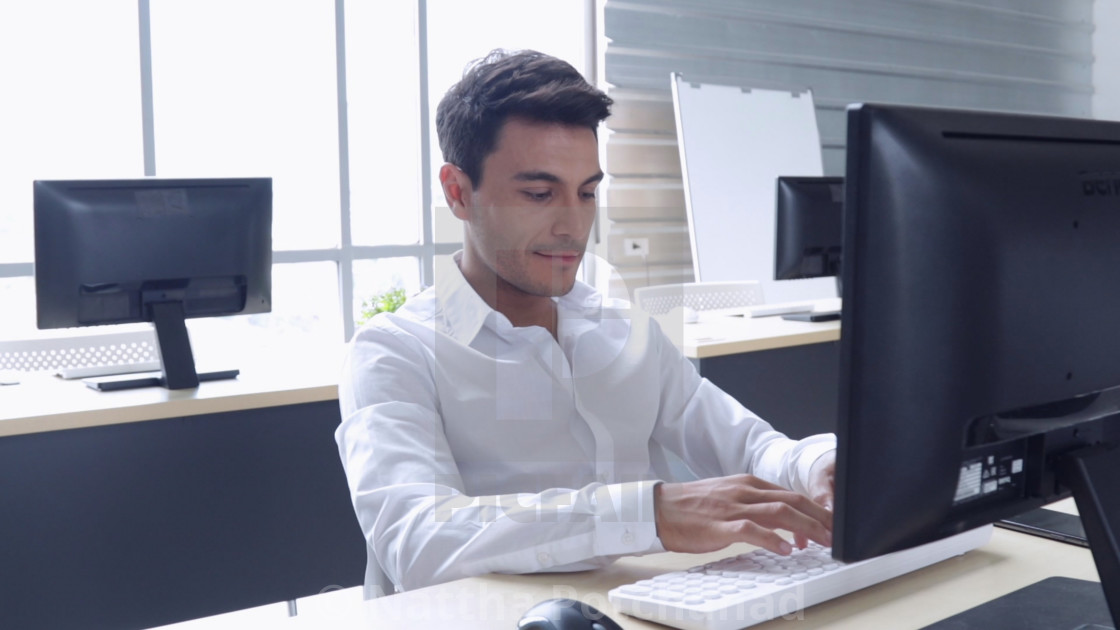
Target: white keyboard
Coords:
[[741, 591], [764, 310]]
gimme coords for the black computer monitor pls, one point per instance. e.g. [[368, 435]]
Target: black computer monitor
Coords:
[[153, 250], [807, 234], [980, 354]]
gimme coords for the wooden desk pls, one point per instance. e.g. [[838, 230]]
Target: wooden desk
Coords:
[[137, 508], [1010, 561], [41, 403], [787, 372]]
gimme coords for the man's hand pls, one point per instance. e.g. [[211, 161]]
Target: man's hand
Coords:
[[822, 479], [709, 514]]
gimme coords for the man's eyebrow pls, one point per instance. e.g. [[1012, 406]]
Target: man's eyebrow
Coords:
[[535, 176], [597, 177], [545, 176]]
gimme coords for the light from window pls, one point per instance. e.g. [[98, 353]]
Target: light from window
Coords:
[[248, 88], [383, 105], [17, 317], [71, 79], [305, 315]]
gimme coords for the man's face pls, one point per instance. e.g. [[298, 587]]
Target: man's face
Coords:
[[529, 220]]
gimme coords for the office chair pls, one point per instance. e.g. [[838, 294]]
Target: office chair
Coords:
[[698, 296]]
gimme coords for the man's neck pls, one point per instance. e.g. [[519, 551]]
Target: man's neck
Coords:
[[520, 308]]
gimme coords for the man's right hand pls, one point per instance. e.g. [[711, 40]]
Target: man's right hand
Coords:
[[710, 514]]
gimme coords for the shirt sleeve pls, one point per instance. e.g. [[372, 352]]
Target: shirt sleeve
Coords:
[[410, 501], [715, 435]]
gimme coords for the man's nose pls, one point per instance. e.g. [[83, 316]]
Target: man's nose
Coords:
[[573, 216]]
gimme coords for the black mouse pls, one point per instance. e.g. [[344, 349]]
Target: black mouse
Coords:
[[565, 614]]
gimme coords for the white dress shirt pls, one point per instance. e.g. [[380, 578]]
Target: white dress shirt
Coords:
[[472, 446]]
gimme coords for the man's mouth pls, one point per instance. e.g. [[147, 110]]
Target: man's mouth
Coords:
[[566, 256]]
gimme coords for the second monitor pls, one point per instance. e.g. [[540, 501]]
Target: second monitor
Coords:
[[808, 232], [152, 250]]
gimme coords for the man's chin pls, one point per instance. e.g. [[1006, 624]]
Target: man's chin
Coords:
[[556, 288]]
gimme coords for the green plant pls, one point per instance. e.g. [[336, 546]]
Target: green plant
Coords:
[[385, 302]]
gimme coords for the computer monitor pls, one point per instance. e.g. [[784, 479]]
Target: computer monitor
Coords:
[[807, 233], [808, 227], [153, 250], [980, 354]]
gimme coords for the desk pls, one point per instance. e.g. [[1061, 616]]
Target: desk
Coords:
[[1010, 561], [137, 508], [787, 372]]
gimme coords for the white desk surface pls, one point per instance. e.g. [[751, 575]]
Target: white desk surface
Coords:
[[719, 335], [1009, 562], [42, 402]]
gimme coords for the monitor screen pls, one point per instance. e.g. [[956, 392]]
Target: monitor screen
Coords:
[[152, 250], [979, 371], [807, 234]]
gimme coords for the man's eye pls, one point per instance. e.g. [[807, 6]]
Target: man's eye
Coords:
[[538, 196], [588, 195]]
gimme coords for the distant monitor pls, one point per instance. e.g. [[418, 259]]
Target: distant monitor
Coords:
[[980, 354], [808, 233], [153, 250], [808, 227]]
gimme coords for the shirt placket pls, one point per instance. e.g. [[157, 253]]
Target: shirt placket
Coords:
[[604, 440], [550, 355]]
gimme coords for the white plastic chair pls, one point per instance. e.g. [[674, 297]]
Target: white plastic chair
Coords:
[[82, 356], [698, 296]]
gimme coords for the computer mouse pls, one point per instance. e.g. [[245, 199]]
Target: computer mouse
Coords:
[[565, 614]]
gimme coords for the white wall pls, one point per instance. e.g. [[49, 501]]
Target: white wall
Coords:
[[1106, 68]]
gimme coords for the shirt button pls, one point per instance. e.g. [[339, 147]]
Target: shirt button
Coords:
[[543, 558], [628, 538]]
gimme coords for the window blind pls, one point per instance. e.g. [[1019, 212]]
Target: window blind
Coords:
[[1031, 56]]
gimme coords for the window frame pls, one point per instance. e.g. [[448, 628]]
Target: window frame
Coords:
[[346, 253]]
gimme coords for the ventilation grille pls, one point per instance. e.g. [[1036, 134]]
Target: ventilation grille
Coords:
[[51, 355], [659, 300]]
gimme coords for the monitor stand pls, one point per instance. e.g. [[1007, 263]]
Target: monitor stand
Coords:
[[1065, 603], [175, 356], [136, 381], [818, 316], [813, 316]]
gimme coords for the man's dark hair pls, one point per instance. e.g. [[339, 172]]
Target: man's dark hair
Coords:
[[525, 84]]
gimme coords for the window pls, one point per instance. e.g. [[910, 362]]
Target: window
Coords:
[[66, 116], [338, 117], [252, 93], [383, 116]]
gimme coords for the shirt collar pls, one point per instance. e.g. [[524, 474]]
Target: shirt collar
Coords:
[[463, 313], [461, 310]]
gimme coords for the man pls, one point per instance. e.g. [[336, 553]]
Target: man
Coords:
[[511, 419]]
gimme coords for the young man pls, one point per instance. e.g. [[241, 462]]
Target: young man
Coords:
[[511, 419]]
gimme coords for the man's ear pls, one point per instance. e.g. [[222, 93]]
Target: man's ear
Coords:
[[456, 190]]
